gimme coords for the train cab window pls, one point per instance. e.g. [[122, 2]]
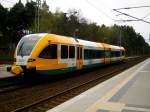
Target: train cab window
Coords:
[[123, 53], [50, 52], [64, 51], [71, 52]]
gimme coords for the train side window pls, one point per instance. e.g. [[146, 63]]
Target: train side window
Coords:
[[86, 54], [117, 53], [100, 54], [93, 54], [113, 54], [64, 51], [71, 52], [123, 53], [50, 52]]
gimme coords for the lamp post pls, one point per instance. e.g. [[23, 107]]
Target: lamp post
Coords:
[[74, 34], [120, 37]]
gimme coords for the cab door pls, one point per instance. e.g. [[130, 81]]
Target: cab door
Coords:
[[79, 62]]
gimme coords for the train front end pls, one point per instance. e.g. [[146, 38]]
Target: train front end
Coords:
[[23, 55]]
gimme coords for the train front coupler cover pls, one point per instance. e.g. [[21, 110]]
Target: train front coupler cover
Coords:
[[16, 70]]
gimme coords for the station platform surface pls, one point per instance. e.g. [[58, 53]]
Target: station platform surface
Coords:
[[129, 91], [3, 71]]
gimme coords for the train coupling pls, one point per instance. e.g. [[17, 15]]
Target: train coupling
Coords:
[[17, 70]]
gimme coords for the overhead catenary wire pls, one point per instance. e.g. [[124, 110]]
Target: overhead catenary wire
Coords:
[[146, 15], [100, 10], [104, 4], [133, 7], [136, 18]]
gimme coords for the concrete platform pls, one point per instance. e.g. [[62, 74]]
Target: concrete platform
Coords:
[[129, 91], [3, 71]]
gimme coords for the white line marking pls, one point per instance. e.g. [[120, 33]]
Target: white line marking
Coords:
[[137, 109]]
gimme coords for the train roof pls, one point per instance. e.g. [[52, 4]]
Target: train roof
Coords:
[[70, 40], [75, 41]]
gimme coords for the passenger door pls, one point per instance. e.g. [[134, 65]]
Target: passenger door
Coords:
[[107, 56], [79, 57]]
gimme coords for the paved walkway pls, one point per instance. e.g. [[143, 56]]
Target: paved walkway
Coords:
[[129, 91], [3, 71]]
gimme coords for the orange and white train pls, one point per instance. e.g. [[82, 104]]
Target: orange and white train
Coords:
[[52, 54]]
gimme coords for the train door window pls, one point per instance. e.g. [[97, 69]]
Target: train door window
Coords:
[[107, 54], [50, 52], [78, 56], [71, 52], [64, 51], [80, 53]]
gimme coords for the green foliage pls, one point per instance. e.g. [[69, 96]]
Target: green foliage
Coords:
[[3, 23], [3, 17], [29, 13], [19, 18]]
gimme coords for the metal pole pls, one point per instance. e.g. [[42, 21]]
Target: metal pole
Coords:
[[37, 16], [35, 27], [39, 2], [120, 37], [74, 34]]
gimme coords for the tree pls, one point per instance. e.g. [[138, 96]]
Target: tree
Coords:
[[29, 14], [3, 18], [3, 24]]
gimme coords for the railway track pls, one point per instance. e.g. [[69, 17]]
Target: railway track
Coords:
[[65, 95], [15, 83], [58, 92], [8, 84], [62, 96]]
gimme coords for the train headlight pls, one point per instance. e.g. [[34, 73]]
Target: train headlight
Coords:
[[31, 60]]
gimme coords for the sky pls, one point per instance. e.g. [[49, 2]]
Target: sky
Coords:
[[101, 11]]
